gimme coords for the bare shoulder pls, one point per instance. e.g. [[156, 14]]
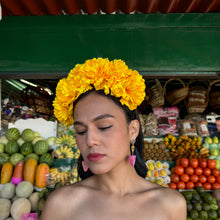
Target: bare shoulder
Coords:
[[65, 198], [174, 201]]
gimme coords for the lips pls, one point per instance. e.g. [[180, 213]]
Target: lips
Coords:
[[93, 157]]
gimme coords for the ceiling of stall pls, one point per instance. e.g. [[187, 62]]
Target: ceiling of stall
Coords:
[[73, 7]]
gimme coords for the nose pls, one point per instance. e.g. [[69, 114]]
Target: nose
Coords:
[[92, 137]]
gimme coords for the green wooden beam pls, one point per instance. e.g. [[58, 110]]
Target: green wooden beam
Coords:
[[150, 43]]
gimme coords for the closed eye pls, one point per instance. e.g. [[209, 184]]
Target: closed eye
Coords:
[[105, 128]]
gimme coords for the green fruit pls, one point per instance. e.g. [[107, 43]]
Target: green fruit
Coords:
[[213, 214], [197, 206], [214, 207], [32, 155], [27, 134], [205, 207], [15, 158], [4, 158], [188, 195], [203, 215], [46, 158], [200, 189], [194, 214], [189, 207], [41, 147], [26, 148], [2, 148], [11, 147], [12, 134]]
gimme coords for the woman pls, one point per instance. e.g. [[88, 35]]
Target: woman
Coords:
[[100, 98]]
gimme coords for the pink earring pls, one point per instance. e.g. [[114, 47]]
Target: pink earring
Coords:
[[132, 157], [85, 167]]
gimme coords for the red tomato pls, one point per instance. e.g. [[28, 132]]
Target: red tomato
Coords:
[[202, 178], [189, 170], [216, 186], [184, 177], [198, 184], [218, 179], [194, 178], [184, 162], [174, 178], [211, 163], [207, 186], [194, 162], [215, 172], [181, 185], [179, 170], [203, 163], [211, 179], [207, 171], [198, 171], [172, 185], [190, 185]]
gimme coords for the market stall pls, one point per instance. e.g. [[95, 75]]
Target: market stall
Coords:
[[178, 55]]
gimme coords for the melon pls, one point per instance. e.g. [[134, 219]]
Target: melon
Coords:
[[41, 147], [2, 147], [46, 158], [7, 191], [27, 148], [32, 155], [5, 205], [24, 189], [15, 158], [27, 134], [11, 147], [12, 134], [20, 206], [4, 158]]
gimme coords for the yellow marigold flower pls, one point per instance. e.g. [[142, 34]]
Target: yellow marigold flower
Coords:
[[113, 77]]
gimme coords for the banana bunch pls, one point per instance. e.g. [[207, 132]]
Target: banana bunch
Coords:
[[64, 152], [204, 152], [56, 175]]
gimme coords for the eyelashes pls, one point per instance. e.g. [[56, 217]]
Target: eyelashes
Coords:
[[100, 128]]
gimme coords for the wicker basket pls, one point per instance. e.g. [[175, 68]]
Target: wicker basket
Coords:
[[198, 96], [177, 95], [154, 93], [214, 95], [38, 99]]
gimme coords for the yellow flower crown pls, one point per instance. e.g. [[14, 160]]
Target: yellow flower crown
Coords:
[[113, 77]]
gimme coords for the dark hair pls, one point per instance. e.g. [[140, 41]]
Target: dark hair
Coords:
[[140, 166]]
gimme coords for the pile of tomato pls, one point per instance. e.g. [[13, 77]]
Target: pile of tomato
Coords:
[[190, 173]]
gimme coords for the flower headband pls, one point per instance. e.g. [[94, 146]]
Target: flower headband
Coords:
[[113, 77]]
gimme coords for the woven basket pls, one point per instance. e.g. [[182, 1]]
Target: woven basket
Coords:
[[38, 99], [198, 96], [177, 95], [214, 95], [154, 92]]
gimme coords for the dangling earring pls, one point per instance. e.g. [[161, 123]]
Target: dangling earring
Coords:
[[85, 167], [132, 157]]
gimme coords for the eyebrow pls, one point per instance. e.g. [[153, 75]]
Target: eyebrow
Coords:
[[96, 118]]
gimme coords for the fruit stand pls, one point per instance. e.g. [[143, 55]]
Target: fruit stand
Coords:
[[180, 63]]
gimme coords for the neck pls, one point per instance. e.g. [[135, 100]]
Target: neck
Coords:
[[120, 182]]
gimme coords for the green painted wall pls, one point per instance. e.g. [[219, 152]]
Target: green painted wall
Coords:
[[147, 42]]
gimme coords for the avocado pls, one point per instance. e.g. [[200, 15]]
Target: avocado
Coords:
[[189, 207], [214, 207], [213, 214], [194, 214], [197, 206], [203, 215], [205, 207]]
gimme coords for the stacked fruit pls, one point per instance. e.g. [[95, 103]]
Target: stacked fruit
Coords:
[[213, 145], [24, 156], [184, 146], [156, 150], [158, 172], [190, 173], [201, 205]]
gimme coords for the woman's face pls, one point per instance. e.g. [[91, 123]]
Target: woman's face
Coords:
[[102, 133]]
